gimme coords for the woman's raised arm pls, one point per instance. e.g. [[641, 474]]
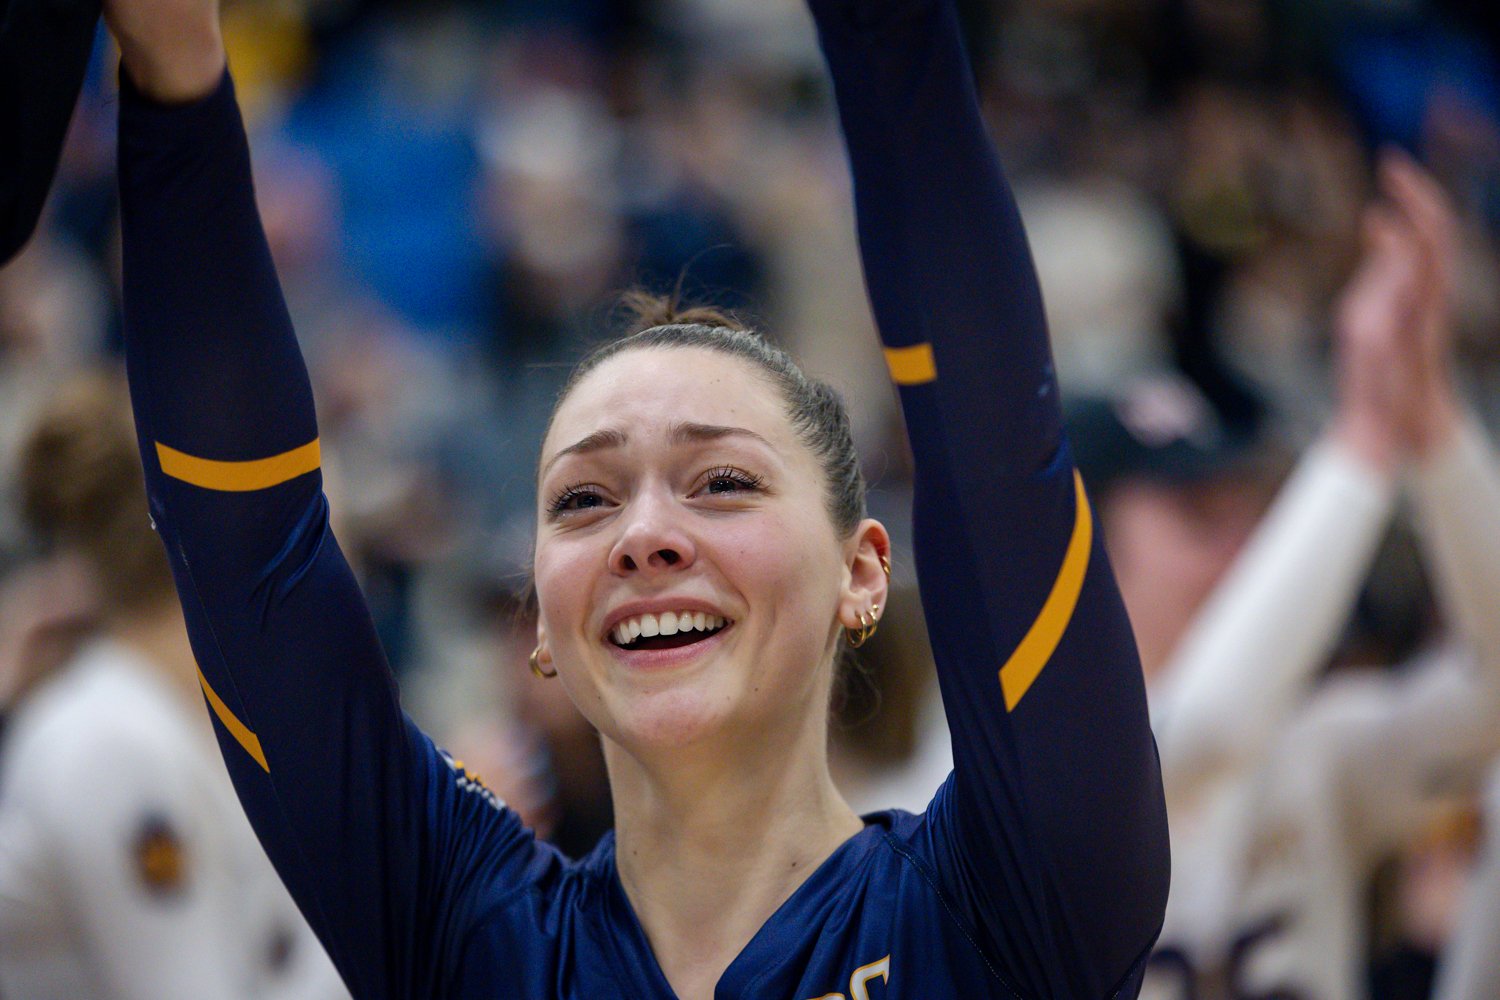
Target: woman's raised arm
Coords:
[[1051, 835], [371, 827]]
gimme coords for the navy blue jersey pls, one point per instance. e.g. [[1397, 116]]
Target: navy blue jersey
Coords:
[[1039, 870]]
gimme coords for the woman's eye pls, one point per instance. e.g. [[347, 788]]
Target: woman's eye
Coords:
[[730, 481], [576, 498]]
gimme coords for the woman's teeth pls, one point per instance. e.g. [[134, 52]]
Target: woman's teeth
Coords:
[[667, 623]]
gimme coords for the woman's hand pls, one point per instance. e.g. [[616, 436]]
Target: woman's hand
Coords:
[[1378, 301], [173, 50], [1426, 345], [1392, 331]]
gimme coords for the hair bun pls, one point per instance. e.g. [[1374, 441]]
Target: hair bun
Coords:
[[645, 309]]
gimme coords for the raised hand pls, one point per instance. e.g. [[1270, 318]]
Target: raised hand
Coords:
[[1429, 222], [1377, 303], [1392, 331], [172, 50]]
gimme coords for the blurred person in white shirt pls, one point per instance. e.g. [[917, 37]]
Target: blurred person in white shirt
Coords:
[[127, 869], [1285, 793]]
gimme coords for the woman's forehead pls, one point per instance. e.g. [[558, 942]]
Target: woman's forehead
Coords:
[[651, 391]]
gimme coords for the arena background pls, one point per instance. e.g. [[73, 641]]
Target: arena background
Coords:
[[455, 194]]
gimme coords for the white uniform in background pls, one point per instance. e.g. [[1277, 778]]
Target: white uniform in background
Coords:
[[1283, 797], [127, 868]]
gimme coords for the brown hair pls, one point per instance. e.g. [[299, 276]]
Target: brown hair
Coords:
[[815, 409], [81, 488]]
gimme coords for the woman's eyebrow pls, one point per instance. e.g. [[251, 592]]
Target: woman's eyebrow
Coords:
[[686, 433], [691, 433], [597, 441]]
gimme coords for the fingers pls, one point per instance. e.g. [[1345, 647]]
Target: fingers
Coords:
[[1424, 206], [1378, 299], [1425, 211], [1395, 330], [1383, 292], [1429, 213]]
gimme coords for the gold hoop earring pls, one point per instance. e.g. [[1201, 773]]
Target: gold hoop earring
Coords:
[[867, 626], [885, 564], [535, 659]]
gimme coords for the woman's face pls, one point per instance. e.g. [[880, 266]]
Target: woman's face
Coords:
[[690, 580]]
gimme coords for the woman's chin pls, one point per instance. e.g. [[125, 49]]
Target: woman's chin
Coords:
[[674, 718]]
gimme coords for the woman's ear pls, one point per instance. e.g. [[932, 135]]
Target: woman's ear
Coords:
[[541, 656], [868, 584]]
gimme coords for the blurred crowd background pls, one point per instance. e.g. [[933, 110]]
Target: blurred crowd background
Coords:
[[455, 194]]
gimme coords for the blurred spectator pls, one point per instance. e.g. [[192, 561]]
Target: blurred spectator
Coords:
[[126, 865], [1284, 795]]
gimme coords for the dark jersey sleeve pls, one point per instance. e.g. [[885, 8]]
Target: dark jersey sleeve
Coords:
[[1055, 827], [381, 839], [44, 56]]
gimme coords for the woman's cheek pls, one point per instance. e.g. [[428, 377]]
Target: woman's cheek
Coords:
[[790, 572], [772, 551], [562, 588]]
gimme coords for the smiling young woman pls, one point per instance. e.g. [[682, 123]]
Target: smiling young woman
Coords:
[[701, 551]]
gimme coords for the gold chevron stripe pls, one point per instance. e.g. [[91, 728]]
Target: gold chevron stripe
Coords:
[[236, 728], [911, 365], [1026, 663], [239, 477]]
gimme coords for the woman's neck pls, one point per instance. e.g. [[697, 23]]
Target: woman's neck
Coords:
[[708, 845]]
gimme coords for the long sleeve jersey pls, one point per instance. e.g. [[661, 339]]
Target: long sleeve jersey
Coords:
[[1040, 868]]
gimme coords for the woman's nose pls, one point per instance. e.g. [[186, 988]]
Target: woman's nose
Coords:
[[653, 540]]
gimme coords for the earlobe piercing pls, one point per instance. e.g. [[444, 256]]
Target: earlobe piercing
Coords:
[[535, 659], [867, 626]]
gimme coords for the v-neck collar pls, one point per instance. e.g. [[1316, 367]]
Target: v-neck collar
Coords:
[[633, 951]]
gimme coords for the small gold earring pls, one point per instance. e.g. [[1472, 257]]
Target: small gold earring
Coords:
[[535, 659], [885, 564], [867, 626]]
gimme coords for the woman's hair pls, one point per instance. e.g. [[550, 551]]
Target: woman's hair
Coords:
[[81, 488], [816, 411]]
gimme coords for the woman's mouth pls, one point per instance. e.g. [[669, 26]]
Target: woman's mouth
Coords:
[[667, 630]]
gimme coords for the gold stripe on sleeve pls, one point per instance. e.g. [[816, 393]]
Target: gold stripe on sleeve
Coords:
[[1026, 663], [236, 728], [911, 365], [239, 477]]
